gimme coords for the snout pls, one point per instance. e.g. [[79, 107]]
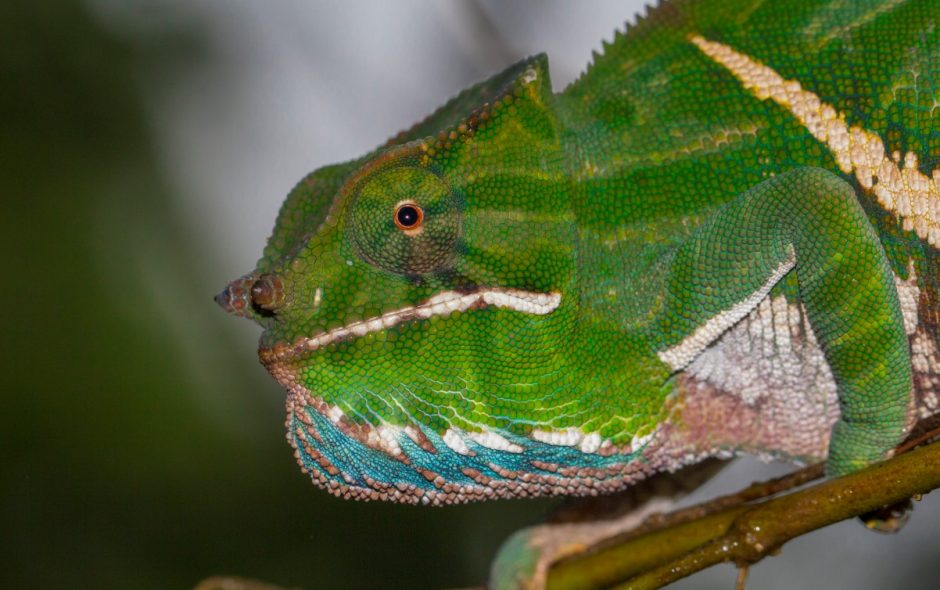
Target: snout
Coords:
[[252, 296], [235, 298]]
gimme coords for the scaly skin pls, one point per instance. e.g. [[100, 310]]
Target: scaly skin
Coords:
[[721, 238]]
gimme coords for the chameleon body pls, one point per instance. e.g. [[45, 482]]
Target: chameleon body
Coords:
[[723, 237]]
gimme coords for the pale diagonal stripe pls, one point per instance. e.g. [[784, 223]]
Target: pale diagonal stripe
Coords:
[[900, 187]]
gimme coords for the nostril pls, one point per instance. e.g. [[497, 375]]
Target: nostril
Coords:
[[267, 294], [262, 293], [251, 296]]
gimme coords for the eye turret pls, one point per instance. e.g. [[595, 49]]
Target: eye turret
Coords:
[[405, 219]]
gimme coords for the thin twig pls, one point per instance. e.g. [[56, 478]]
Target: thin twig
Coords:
[[741, 582], [235, 583]]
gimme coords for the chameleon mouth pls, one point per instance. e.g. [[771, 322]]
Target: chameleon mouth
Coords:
[[440, 305]]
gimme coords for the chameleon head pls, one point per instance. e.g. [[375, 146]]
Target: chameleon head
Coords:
[[417, 305]]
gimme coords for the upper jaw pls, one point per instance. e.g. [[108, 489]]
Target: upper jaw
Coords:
[[235, 298], [441, 305]]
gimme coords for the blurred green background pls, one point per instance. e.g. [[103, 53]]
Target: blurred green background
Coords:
[[142, 444]]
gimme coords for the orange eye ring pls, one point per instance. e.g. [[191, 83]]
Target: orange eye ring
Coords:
[[409, 216]]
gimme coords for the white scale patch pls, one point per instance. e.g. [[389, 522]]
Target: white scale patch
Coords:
[[317, 297], [454, 440], [908, 295], [771, 353], [925, 360], [386, 437], [494, 441], [923, 351], [334, 413], [773, 350], [443, 304], [529, 76], [569, 437], [641, 440], [679, 356], [899, 188], [591, 443]]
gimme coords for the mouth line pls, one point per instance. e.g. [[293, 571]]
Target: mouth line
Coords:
[[440, 305]]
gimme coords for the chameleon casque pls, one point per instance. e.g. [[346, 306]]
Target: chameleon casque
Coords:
[[723, 237]]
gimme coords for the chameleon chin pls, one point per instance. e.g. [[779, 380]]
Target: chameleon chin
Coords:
[[722, 238]]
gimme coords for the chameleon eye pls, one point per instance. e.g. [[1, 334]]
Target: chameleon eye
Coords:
[[392, 231], [408, 216]]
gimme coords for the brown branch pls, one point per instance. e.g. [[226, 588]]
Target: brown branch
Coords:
[[640, 549], [234, 583], [746, 527]]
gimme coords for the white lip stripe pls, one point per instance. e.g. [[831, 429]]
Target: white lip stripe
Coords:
[[443, 304], [680, 355], [912, 195]]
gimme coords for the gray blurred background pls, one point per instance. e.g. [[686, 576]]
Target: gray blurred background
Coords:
[[146, 146]]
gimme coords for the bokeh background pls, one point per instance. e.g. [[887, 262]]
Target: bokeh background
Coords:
[[145, 147]]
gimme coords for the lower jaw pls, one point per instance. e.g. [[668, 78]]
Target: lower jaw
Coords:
[[345, 459]]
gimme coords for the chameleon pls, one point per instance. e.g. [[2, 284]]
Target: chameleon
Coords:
[[722, 238]]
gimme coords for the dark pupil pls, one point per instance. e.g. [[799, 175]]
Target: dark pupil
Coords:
[[407, 216]]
